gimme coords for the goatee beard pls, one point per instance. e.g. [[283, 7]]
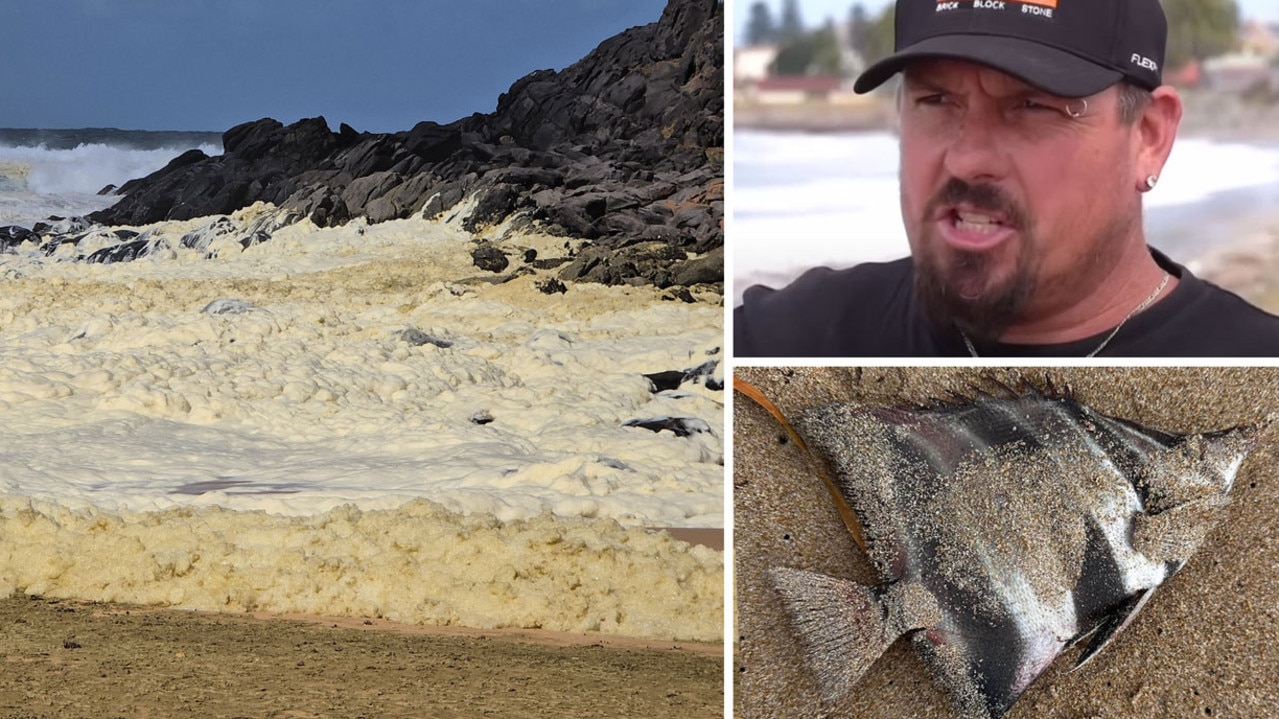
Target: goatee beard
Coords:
[[956, 286]]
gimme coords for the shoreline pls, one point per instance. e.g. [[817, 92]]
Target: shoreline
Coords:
[[417, 565], [71, 660], [309, 423]]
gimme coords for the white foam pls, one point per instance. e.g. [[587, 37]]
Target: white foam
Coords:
[[298, 455], [118, 391]]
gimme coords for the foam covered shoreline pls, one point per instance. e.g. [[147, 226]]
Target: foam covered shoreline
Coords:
[[417, 564], [356, 421]]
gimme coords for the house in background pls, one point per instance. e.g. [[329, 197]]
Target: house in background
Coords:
[[751, 63]]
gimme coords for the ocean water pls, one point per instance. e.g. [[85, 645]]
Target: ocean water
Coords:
[[352, 421], [60, 172], [802, 200]]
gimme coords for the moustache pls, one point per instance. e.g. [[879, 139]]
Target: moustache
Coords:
[[980, 196]]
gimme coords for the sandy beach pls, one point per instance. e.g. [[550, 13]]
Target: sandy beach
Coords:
[[1201, 647], [69, 660]]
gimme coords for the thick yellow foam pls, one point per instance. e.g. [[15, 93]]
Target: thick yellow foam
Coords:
[[415, 564]]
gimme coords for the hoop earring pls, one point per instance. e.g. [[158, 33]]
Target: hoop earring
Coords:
[[1151, 181], [1076, 115]]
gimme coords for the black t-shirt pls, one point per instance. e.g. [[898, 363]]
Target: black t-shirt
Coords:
[[871, 311]]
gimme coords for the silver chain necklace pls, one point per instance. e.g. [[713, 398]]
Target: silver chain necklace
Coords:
[[1144, 304]]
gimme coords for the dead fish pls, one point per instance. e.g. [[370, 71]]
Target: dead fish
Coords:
[[1005, 529]]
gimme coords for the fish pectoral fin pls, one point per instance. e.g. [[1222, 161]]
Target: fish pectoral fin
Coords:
[[1115, 622], [843, 626]]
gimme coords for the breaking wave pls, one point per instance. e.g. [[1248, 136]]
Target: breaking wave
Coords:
[[84, 169]]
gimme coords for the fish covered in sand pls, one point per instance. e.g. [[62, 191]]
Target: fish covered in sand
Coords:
[[1005, 529]]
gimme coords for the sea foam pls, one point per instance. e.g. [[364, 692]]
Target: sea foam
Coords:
[[218, 442]]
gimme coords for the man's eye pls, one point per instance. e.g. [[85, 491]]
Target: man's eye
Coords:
[[934, 99], [1036, 106]]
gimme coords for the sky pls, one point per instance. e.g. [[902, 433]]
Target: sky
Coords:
[[815, 12], [378, 65]]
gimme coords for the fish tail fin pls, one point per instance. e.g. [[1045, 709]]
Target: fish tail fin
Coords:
[[843, 627]]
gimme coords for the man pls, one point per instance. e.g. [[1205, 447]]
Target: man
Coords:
[[1029, 131]]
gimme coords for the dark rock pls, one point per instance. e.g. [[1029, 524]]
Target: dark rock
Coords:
[[382, 209], [126, 251], [662, 381], [417, 338], [482, 417], [201, 239], [106, 190], [375, 154], [550, 263], [12, 235], [682, 294], [228, 306], [681, 426], [366, 188], [61, 226], [648, 262], [708, 269], [703, 373], [550, 286], [489, 258], [250, 139], [494, 206], [347, 136], [624, 146], [433, 143]]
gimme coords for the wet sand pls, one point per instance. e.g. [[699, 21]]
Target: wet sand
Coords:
[[1205, 645], [708, 537], [65, 660]]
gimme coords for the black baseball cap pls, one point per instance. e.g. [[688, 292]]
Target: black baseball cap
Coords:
[[1071, 48]]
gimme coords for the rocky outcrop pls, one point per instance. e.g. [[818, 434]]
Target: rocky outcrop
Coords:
[[623, 148]]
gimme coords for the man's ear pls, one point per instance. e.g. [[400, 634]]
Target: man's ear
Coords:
[[1156, 128]]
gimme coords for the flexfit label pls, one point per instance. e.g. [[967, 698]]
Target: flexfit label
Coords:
[[1144, 62], [1037, 8]]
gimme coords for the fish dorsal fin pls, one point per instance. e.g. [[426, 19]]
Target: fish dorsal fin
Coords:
[[843, 627], [1116, 622]]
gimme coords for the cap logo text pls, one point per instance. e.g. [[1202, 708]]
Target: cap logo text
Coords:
[[1038, 8], [1145, 62]]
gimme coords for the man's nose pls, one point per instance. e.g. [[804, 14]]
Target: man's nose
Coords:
[[976, 149]]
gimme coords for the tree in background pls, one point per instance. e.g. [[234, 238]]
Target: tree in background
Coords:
[[859, 27], [878, 41], [1199, 29], [792, 26], [816, 53], [760, 28]]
